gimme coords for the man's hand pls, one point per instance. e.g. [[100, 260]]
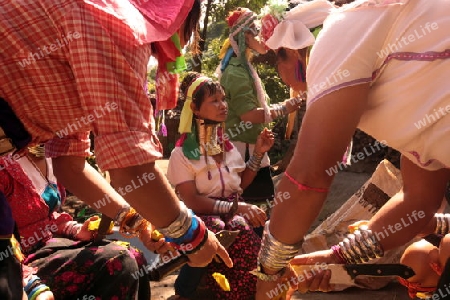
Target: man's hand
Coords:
[[210, 249]]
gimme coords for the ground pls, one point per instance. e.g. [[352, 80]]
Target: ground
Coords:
[[344, 185]]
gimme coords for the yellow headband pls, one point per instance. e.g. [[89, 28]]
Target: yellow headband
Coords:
[[187, 113]]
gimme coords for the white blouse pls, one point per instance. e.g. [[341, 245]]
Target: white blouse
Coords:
[[402, 49], [222, 182]]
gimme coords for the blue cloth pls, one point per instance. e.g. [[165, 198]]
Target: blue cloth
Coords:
[[51, 197], [226, 59], [188, 280]]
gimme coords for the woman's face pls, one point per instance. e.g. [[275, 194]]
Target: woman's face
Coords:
[[253, 41], [213, 108], [289, 68]]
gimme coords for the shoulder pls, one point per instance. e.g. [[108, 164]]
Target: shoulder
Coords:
[[235, 70]]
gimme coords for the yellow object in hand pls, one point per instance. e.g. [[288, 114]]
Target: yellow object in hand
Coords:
[[93, 225], [156, 235], [355, 226], [222, 281]]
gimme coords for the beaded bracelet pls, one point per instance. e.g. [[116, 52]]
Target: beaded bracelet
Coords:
[[132, 224], [35, 287], [37, 291]]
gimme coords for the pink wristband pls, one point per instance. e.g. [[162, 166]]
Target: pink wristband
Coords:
[[303, 187]]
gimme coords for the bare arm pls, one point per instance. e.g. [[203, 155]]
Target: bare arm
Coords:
[[198, 203], [413, 209], [153, 198], [256, 116], [326, 131], [263, 144]]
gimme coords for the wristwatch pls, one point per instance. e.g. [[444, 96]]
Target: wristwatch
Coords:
[[259, 272]]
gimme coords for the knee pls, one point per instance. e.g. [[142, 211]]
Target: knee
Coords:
[[125, 260]]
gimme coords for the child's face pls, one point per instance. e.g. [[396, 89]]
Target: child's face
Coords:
[[214, 107]]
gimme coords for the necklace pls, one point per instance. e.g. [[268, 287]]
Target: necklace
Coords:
[[36, 167]]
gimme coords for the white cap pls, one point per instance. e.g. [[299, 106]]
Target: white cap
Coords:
[[293, 31]]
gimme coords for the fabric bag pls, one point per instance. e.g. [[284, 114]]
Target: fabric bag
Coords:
[[385, 182]]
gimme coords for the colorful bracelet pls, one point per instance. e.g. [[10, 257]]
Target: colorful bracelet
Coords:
[[35, 287], [132, 223], [188, 236], [181, 224], [37, 291], [200, 240], [303, 187]]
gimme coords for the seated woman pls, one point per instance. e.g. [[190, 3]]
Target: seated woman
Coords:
[[11, 287], [61, 255], [209, 174]]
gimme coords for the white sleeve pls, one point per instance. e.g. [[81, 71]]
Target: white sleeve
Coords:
[[179, 169], [348, 50]]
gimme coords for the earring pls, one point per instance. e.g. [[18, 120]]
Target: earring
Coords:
[[300, 74]]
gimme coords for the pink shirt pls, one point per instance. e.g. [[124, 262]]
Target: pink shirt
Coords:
[[69, 67]]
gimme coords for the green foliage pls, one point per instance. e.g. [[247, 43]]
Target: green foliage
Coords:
[[221, 8], [275, 88]]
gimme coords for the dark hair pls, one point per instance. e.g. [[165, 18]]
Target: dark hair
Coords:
[[341, 2], [208, 88], [191, 25], [282, 54]]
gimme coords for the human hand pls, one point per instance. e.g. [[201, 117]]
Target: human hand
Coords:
[[208, 251], [252, 213], [47, 295], [264, 141], [276, 290], [313, 273], [84, 234], [156, 244]]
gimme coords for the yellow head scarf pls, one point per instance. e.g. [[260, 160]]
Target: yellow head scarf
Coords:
[[186, 113]]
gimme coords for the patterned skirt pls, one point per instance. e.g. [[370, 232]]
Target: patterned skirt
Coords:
[[100, 270], [243, 252]]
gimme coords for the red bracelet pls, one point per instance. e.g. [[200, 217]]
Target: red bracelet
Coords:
[[303, 187], [197, 241]]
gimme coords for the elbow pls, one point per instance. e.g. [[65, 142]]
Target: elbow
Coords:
[[64, 165]]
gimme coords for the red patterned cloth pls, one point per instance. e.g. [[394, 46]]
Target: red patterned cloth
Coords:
[[31, 213], [69, 67]]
